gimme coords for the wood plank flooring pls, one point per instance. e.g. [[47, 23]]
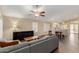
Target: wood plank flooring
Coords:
[[69, 45]]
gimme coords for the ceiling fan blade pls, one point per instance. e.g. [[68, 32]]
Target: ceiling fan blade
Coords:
[[42, 15], [30, 14], [32, 11], [36, 6], [43, 12]]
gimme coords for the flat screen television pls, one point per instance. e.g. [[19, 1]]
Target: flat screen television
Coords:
[[21, 35]]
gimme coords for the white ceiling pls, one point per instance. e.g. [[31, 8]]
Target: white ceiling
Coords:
[[53, 12]]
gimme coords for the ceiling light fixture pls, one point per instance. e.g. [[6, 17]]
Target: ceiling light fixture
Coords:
[[38, 10]]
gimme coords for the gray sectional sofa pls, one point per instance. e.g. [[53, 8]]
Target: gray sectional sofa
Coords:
[[43, 45]]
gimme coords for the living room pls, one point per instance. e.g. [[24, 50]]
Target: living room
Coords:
[[44, 22]]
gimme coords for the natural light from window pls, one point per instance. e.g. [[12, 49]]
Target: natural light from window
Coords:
[[46, 27], [35, 26]]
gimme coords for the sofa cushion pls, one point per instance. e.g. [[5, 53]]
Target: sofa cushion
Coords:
[[12, 48], [6, 43]]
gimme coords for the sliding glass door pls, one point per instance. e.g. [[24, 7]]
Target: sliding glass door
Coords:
[[74, 28]]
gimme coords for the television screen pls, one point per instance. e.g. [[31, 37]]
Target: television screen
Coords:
[[22, 35]]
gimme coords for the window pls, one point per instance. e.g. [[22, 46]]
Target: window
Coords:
[[73, 28], [46, 27], [35, 26]]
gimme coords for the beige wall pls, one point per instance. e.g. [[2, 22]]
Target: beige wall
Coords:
[[1, 28], [22, 25]]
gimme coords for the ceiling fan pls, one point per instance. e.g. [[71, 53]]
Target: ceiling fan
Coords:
[[37, 11]]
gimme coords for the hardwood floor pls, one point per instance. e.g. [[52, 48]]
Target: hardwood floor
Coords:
[[69, 45]]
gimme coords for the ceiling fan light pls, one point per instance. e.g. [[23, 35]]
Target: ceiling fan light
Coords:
[[37, 14], [43, 12], [35, 10], [40, 9]]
